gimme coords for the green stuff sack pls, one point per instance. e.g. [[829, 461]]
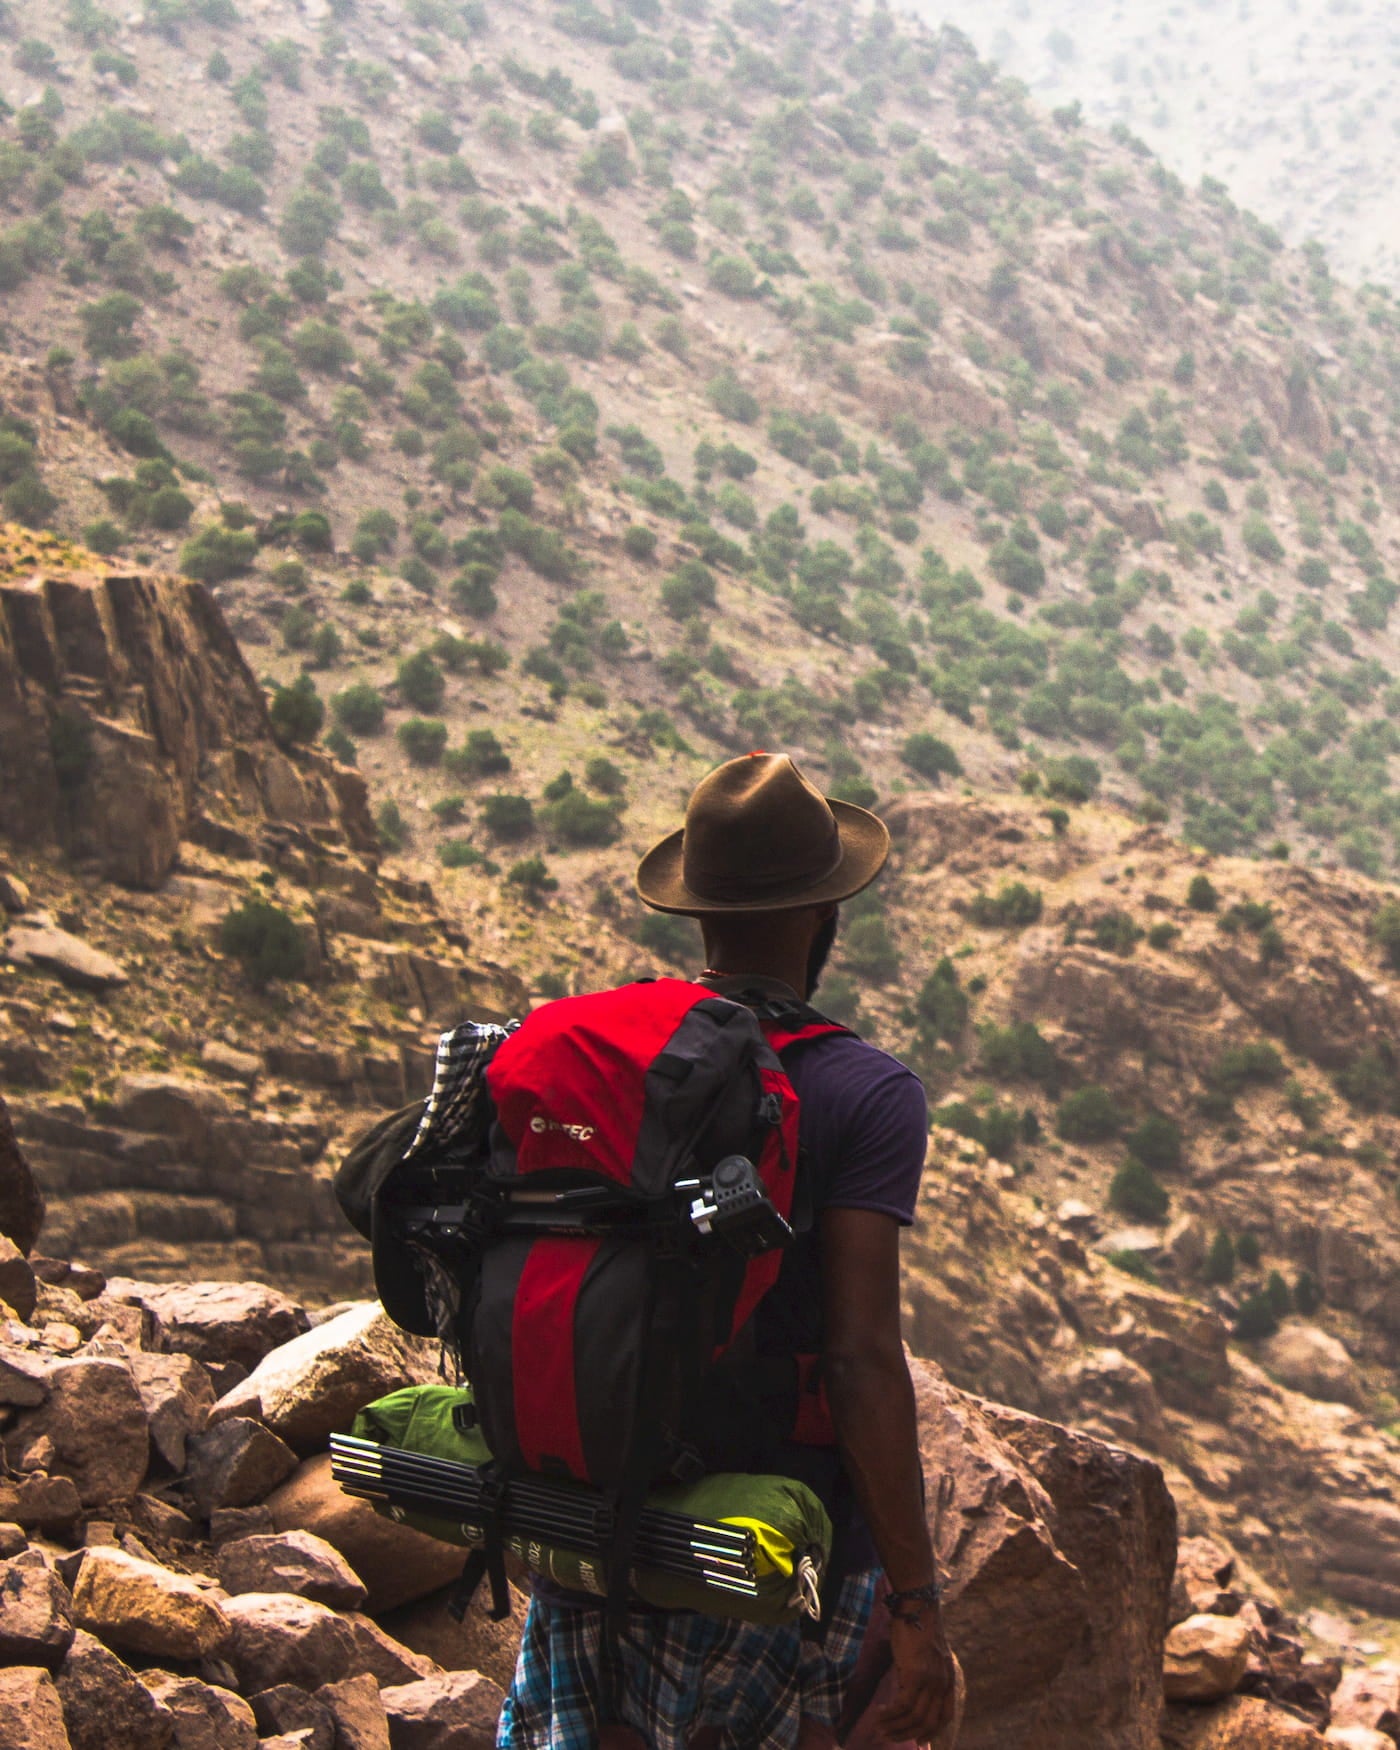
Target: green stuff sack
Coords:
[[791, 1530]]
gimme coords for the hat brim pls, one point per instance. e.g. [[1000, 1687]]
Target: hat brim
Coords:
[[865, 848]]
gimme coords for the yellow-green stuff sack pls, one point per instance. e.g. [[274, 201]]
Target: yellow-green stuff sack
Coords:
[[791, 1530]]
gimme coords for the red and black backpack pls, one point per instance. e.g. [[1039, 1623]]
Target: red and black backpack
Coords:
[[593, 1241]]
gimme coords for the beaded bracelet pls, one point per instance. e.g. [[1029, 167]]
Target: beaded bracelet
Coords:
[[932, 1593]]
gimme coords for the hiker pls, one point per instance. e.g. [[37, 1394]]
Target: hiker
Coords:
[[763, 863]]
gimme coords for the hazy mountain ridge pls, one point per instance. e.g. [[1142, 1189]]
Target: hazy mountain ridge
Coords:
[[1288, 106]]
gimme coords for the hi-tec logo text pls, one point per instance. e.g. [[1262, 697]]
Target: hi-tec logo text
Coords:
[[579, 1132]]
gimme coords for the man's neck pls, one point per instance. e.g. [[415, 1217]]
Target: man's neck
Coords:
[[769, 983]]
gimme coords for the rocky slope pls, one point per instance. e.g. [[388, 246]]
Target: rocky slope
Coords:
[[172, 1438], [1284, 104]]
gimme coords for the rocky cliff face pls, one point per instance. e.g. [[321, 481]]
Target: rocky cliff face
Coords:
[[129, 721]]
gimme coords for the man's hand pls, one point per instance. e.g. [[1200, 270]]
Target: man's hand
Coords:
[[927, 1701]]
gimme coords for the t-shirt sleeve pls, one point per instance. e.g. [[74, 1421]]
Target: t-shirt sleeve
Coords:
[[882, 1147]]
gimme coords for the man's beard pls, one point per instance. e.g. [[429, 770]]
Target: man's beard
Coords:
[[822, 944]]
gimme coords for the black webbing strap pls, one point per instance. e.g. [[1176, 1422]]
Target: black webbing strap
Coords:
[[488, 1561]]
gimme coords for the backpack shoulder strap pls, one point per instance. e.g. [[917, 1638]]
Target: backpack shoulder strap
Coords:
[[787, 1022]]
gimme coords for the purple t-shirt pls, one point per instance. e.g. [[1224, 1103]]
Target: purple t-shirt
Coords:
[[863, 1133]]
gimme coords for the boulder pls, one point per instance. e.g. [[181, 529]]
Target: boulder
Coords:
[[1242, 1723], [205, 1717], [1358, 1738], [139, 1607], [277, 1637], [1205, 1658], [290, 1561], [430, 1628], [31, 1715], [360, 1720], [71, 960], [1312, 1361], [396, 1564], [236, 1464], [387, 1660], [14, 894], [1204, 1570], [21, 1205], [1114, 1522], [311, 1387], [39, 1503], [36, 1613], [456, 1710], [105, 1706], [216, 1322], [13, 1542], [18, 1289], [24, 1376], [96, 1423], [1369, 1697], [286, 1709], [178, 1395]]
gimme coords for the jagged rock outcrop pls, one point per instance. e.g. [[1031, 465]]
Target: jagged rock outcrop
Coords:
[[130, 721]]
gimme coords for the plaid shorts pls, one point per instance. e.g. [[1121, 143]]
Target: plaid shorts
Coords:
[[681, 1672]]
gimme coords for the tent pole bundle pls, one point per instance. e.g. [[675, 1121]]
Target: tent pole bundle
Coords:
[[566, 1515]]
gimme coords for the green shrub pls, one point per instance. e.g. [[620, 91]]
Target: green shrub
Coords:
[[577, 819], [1202, 895], [1010, 1053], [930, 756], [995, 1127], [359, 709], [109, 324], [1135, 1191], [423, 740], [1074, 778], [420, 681], [941, 1005], [1157, 1143], [309, 221], [1240, 1066], [639, 542], [1261, 540], [1306, 1295], [1248, 1250], [1162, 935], [602, 775], [1115, 932], [219, 552], [1014, 907], [1090, 1114], [480, 756], [1385, 929], [507, 816], [1256, 1319], [391, 826], [297, 712], [1369, 1080], [731, 400], [688, 590], [1219, 1266], [265, 940], [531, 879], [340, 747]]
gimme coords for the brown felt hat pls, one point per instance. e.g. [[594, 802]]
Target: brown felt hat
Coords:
[[759, 837]]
